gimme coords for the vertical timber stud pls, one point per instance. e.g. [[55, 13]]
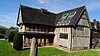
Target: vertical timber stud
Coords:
[[71, 41], [33, 50]]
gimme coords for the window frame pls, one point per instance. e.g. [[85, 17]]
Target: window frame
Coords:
[[71, 14], [62, 35]]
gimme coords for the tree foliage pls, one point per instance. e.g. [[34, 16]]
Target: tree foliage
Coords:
[[2, 30], [11, 32], [14, 29]]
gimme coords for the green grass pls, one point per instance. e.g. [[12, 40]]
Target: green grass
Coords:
[[7, 50], [50, 51]]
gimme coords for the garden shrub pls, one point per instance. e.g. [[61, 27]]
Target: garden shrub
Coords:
[[18, 42], [11, 36]]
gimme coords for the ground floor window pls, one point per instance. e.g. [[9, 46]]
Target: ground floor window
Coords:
[[64, 35]]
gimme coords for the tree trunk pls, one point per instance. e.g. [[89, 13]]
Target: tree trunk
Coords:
[[33, 50]]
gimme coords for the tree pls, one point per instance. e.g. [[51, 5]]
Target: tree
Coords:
[[3, 30], [14, 29], [11, 32], [11, 36], [18, 42]]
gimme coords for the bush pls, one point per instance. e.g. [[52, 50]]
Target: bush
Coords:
[[1, 36], [18, 42], [11, 36]]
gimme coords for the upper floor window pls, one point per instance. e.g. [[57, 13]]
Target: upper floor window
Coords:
[[43, 28], [31, 27], [51, 29], [27, 27], [65, 20], [65, 15], [36, 27], [72, 14], [39, 27]]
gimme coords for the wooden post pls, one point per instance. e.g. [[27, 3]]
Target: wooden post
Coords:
[[33, 50]]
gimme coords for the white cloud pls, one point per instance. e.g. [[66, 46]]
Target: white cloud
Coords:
[[43, 1]]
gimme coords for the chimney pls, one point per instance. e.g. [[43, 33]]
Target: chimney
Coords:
[[95, 23], [43, 10]]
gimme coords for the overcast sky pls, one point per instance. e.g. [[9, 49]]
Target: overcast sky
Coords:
[[9, 8]]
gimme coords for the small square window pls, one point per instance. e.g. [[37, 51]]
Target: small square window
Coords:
[[64, 35]]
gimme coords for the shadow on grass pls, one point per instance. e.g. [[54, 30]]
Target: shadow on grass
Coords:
[[25, 48]]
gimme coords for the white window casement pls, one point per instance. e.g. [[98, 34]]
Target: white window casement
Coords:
[[65, 15], [72, 14], [67, 22], [65, 19]]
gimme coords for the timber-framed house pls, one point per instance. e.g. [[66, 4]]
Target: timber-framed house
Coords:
[[69, 29]]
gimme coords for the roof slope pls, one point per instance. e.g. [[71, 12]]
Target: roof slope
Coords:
[[72, 19], [36, 16]]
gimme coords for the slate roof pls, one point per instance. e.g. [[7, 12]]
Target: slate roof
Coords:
[[36, 16]]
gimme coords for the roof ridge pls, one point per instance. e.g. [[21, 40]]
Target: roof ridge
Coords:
[[28, 7], [35, 8], [72, 9]]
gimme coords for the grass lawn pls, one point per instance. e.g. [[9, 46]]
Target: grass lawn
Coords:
[[7, 50]]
